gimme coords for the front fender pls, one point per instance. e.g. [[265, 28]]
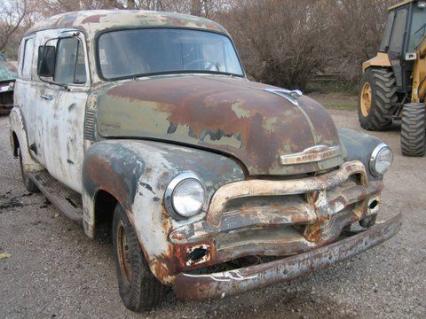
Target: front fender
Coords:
[[137, 174], [359, 146]]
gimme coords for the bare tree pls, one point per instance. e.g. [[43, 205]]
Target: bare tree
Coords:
[[131, 4], [196, 7], [356, 32], [281, 41], [11, 16]]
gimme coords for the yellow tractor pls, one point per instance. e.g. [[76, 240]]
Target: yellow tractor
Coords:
[[394, 82]]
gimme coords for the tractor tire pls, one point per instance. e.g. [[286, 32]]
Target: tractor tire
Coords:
[[413, 130], [377, 99], [139, 289]]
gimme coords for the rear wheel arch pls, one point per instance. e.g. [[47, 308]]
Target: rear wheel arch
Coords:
[[15, 143]]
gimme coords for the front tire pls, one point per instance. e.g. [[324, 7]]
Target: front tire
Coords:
[[139, 289], [377, 99], [413, 130]]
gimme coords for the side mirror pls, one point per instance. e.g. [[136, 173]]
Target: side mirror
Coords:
[[46, 61]]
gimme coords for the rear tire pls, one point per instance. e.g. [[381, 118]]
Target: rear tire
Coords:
[[28, 183], [139, 289], [413, 130], [377, 99]]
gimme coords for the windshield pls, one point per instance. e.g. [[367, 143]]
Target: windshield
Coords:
[[133, 53]]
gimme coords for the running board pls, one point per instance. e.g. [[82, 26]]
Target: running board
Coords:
[[66, 200]]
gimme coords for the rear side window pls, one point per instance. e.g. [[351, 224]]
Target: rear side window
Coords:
[[27, 59], [386, 36], [70, 66], [397, 39]]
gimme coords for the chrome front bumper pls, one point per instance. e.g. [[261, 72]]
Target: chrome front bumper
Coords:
[[200, 287]]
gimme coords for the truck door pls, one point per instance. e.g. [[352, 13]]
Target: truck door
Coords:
[[34, 95], [64, 144], [396, 44]]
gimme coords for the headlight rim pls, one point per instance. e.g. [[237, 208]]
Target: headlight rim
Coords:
[[170, 190], [373, 159]]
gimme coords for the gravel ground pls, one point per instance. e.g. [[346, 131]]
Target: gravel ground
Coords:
[[54, 271]]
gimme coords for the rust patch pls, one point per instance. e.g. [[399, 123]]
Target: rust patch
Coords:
[[229, 115], [314, 232], [107, 179], [244, 279]]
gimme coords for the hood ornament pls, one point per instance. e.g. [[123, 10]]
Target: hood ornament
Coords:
[[291, 95], [311, 155]]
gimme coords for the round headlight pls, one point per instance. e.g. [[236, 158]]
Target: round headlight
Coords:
[[381, 160], [185, 196]]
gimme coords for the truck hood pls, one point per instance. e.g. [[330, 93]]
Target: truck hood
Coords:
[[242, 119]]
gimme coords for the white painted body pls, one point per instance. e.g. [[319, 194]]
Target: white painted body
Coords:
[[52, 115]]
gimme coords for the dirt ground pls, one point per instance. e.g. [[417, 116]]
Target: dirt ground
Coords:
[[54, 271]]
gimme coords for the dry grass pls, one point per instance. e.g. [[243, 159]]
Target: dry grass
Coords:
[[339, 101]]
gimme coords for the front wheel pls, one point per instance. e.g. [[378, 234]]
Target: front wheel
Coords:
[[413, 130], [139, 289]]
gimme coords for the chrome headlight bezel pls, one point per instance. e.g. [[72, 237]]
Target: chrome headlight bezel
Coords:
[[374, 157], [170, 193]]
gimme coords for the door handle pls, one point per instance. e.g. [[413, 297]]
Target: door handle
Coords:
[[47, 97]]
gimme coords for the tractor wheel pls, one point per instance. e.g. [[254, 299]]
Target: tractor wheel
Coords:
[[413, 130], [377, 99], [138, 288]]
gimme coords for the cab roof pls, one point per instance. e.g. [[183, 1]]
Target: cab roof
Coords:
[[93, 21]]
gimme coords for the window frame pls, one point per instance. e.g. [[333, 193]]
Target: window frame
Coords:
[[387, 35], [398, 12], [24, 55], [80, 45], [410, 31], [102, 77]]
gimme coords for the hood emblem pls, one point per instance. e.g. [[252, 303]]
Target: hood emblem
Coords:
[[291, 95], [311, 155]]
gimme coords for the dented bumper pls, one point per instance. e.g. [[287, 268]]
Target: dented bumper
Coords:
[[200, 287]]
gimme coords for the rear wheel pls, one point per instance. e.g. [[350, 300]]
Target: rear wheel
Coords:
[[139, 289], [377, 99], [413, 130], [28, 183]]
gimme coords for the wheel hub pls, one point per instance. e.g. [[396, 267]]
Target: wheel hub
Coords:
[[366, 99], [123, 253]]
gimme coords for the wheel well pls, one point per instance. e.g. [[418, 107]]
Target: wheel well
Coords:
[[105, 204], [15, 145]]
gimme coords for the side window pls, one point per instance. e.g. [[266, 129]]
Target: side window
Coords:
[[397, 39], [386, 35], [418, 28], [70, 66], [27, 59]]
